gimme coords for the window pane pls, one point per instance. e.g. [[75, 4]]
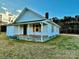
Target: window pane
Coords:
[[36, 28]]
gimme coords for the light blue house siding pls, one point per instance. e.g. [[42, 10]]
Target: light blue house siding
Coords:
[[29, 15], [48, 29], [17, 30], [14, 30], [44, 30], [10, 30], [52, 30]]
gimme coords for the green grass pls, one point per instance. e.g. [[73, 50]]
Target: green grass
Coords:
[[61, 47]]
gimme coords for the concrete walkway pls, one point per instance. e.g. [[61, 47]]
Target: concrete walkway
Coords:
[[70, 34]]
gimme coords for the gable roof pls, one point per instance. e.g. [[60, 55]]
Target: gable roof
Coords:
[[42, 18], [26, 12], [52, 23]]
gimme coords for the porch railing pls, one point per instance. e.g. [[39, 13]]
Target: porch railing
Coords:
[[32, 37]]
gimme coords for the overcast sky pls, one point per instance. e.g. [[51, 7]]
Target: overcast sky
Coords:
[[58, 8]]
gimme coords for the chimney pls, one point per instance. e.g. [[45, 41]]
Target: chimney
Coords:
[[47, 15]]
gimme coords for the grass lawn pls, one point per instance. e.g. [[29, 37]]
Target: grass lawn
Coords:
[[61, 47]]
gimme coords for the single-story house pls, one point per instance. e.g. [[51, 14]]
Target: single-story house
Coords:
[[31, 26]]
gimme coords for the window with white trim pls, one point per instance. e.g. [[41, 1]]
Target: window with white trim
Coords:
[[36, 27], [52, 28]]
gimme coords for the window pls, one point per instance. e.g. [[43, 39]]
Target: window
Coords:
[[52, 28], [36, 28]]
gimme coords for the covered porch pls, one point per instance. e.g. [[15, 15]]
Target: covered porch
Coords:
[[32, 32]]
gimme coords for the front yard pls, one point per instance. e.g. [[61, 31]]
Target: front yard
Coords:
[[61, 47]]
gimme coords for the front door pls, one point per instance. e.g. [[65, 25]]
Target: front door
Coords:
[[24, 29]]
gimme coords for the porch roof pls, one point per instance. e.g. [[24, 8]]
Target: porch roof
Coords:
[[28, 22], [54, 24]]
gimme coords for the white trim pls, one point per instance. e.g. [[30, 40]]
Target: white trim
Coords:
[[41, 32]]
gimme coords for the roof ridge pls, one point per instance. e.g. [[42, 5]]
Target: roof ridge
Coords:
[[29, 10]]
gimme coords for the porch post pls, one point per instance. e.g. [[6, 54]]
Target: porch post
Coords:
[[28, 30], [41, 32]]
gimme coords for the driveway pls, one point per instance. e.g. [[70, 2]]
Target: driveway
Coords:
[[70, 34]]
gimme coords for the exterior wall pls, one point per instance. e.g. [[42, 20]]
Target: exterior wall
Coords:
[[49, 30], [7, 17], [56, 30], [14, 30], [52, 30], [30, 30], [10, 31], [45, 29], [18, 30]]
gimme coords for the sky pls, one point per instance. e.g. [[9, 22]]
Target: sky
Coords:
[[56, 8]]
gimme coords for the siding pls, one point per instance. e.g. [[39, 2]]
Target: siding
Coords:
[[10, 30], [14, 30], [18, 30], [29, 16], [53, 32], [47, 30], [30, 30]]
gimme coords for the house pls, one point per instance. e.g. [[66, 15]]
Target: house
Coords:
[[5, 18], [31, 26]]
